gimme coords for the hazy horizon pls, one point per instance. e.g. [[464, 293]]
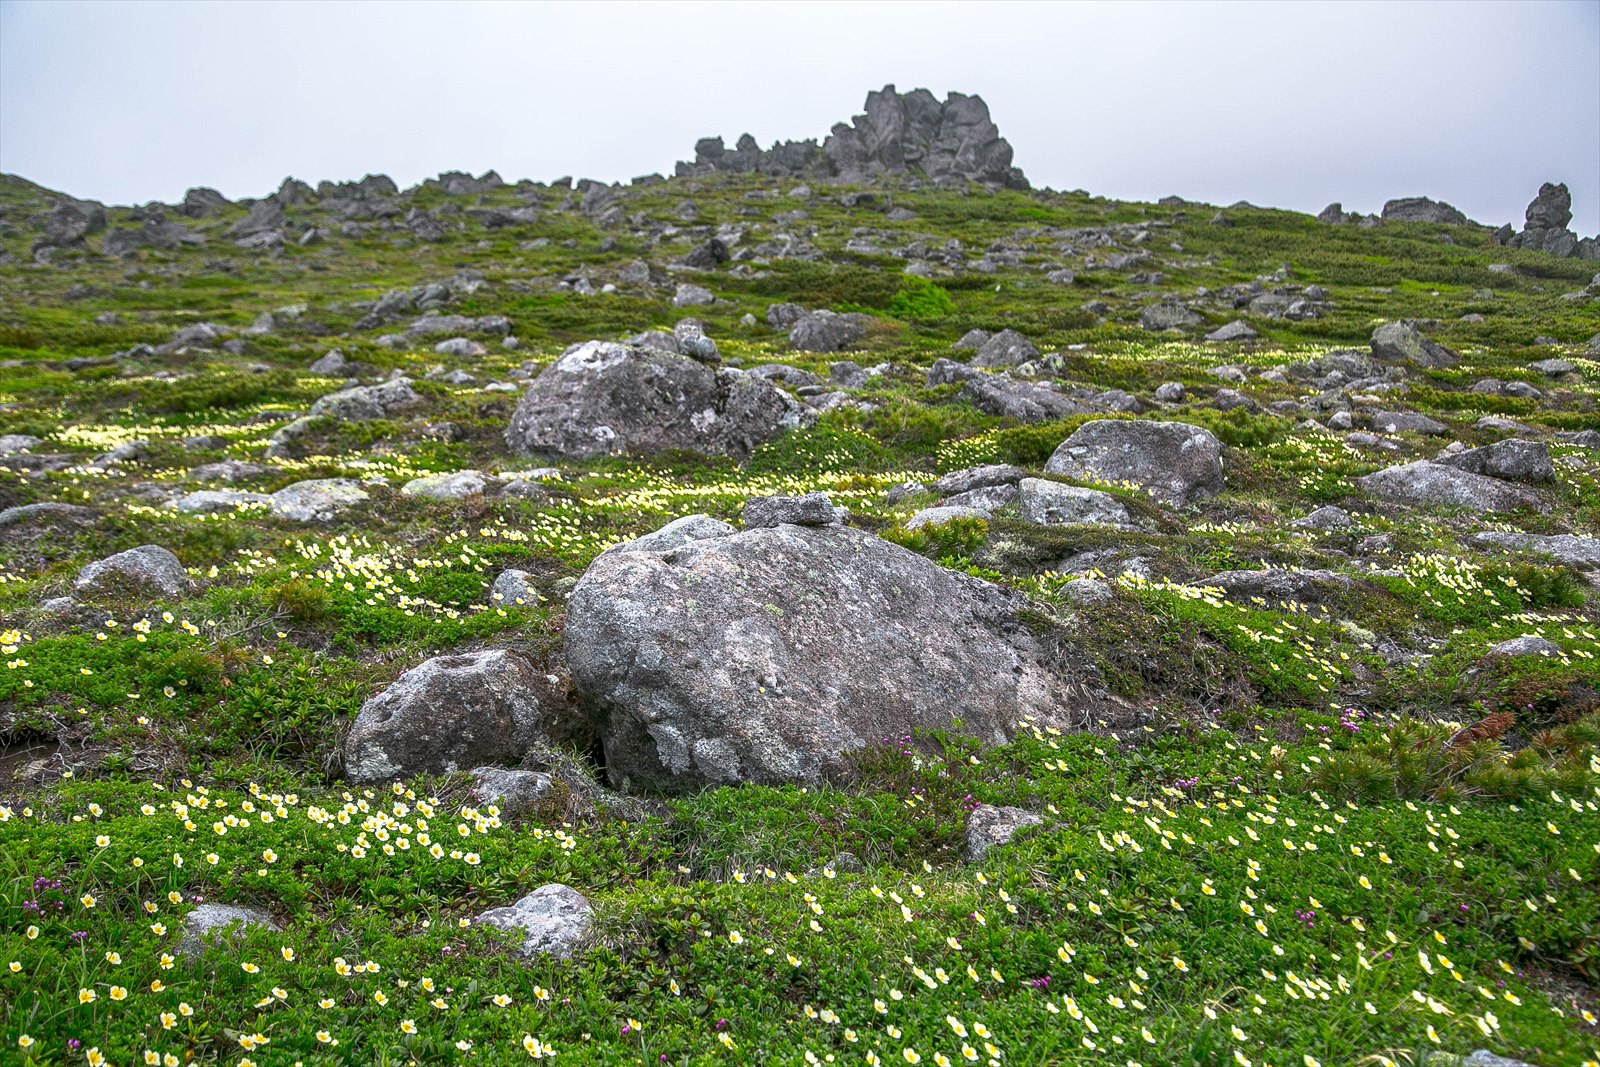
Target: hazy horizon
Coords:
[[1289, 106]]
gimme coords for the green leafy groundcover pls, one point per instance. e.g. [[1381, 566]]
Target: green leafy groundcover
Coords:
[[1186, 901]]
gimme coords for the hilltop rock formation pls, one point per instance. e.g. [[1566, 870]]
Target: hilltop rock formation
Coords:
[[768, 655], [1421, 209], [1545, 227], [900, 133]]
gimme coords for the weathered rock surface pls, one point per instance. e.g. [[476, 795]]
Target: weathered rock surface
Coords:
[[1421, 209], [824, 331], [47, 513], [602, 398], [769, 655], [212, 501], [366, 402], [454, 712], [516, 792], [1005, 349], [316, 500], [1274, 585], [1513, 460], [210, 923], [1581, 552], [453, 486], [812, 509], [1008, 398], [1403, 342], [1526, 645], [938, 516], [989, 826], [1172, 461], [1054, 504], [1428, 484], [553, 920], [148, 569]]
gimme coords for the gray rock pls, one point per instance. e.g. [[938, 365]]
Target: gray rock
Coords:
[[1512, 459], [970, 478], [231, 470], [1428, 484], [1172, 461], [823, 331], [1421, 209], [1005, 397], [365, 402], [1168, 316], [148, 570], [1305, 587], [1403, 342], [675, 533], [512, 588], [554, 920], [989, 826], [127, 452], [990, 498], [602, 398], [1580, 552], [316, 500], [1551, 209], [1552, 368], [1407, 422], [461, 347], [783, 316], [692, 341], [1581, 438], [1005, 349], [1485, 1058], [938, 516], [210, 923], [1050, 503], [1233, 331], [212, 501], [451, 713], [1326, 517], [688, 296], [515, 792], [332, 363], [972, 340], [1170, 392], [769, 655], [1527, 645], [456, 485], [47, 513], [813, 509], [15, 444]]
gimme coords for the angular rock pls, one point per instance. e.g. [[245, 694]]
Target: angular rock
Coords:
[[769, 655], [1168, 316], [1326, 517], [1050, 503], [1512, 459], [1172, 461], [687, 296], [451, 713], [1402, 341], [513, 587], [1407, 422], [1007, 398], [1421, 209], [1005, 349], [149, 569], [553, 920], [813, 509], [1428, 484], [366, 402], [47, 513], [602, 398], [1233, 331], [989, 826], [988, 474], [516, 792], [823, 331], [1275, 585]]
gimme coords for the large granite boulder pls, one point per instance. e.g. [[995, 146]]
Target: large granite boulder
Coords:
[[148, 570], [1009, 398], [602, 398], [1005, 349], [1421, 209], [366, 402], [824, 331], [1172, 461], [771, 654], [1430, 484], [1513, 460], [453, 713]]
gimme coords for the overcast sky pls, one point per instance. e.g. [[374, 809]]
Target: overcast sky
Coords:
[[1289, 105]]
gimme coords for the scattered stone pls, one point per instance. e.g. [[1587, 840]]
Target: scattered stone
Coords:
[[675, 533], [1050, 503], [212, 501], [938, 516], [1326, 517], [316, 500], [1527, 645], [688, 296], [602, 398], [1168, 316], [1402, 341], [813, 509], [768, 655], [1421, 209], [456, 485], [15, 444], [1428, 484], [1233, 331], [1172, 461], [513, 587], [553, 920], [48, 513], [516, 792], [1581, 552], [1407, 422], [824, 331], [1005, 349], [451, 713], [366, 402], [1007, 398], [1512, 459], [1170, 392], [147, 570], [989, 826], [1275, 585], [210, 923]]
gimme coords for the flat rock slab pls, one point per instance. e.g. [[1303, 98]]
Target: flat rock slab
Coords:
[[1050, 503], [553, 920], [989, 826], [317, 500], [1581, 552], [771, 654], [48, 513]]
